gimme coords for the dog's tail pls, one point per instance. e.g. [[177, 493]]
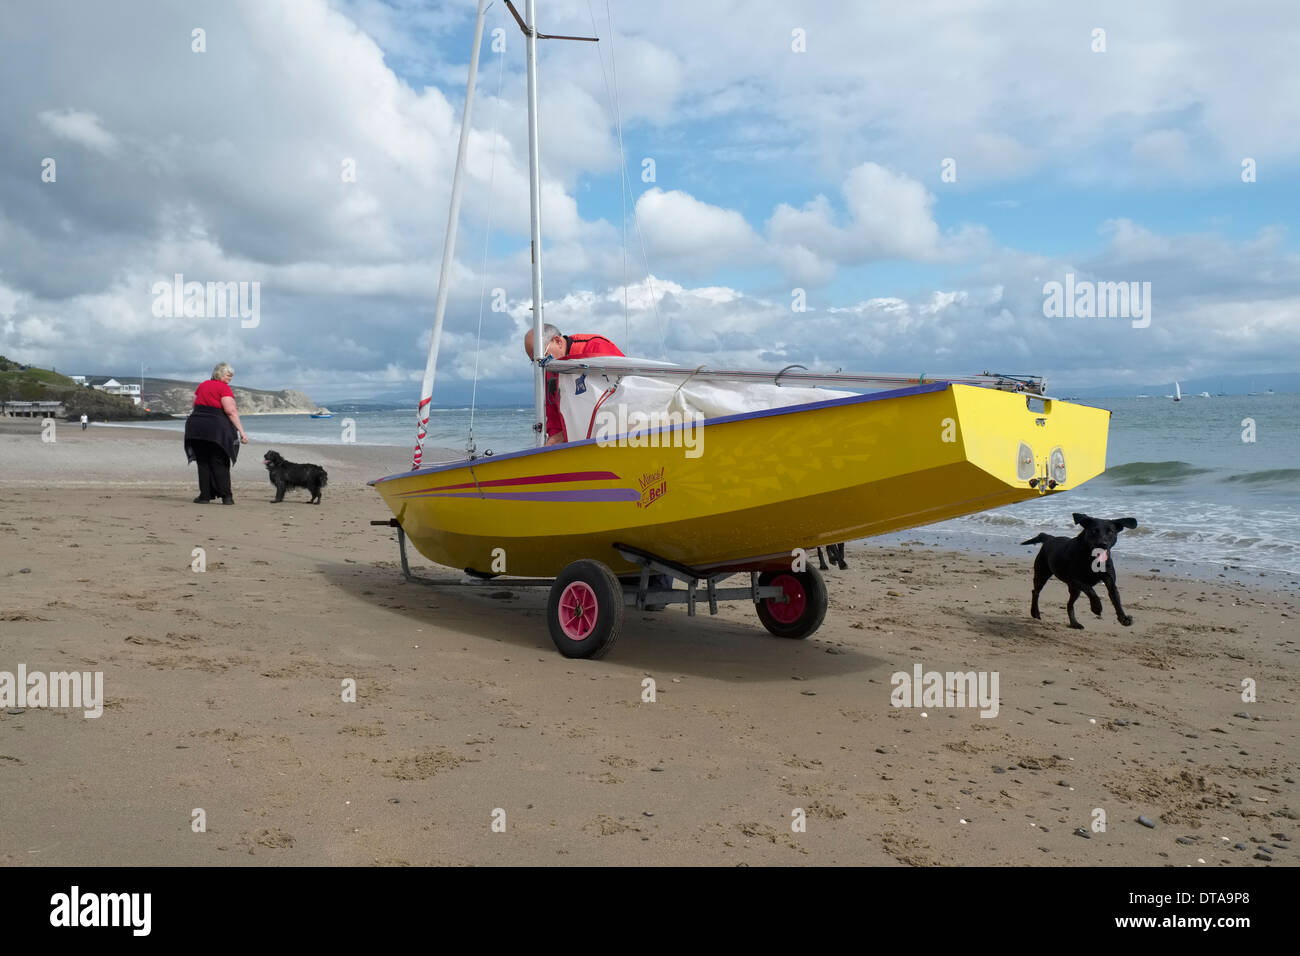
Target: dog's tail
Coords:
[[324, 478], [1037, 539]]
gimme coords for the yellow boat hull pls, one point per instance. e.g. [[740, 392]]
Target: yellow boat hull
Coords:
[[760, 485]]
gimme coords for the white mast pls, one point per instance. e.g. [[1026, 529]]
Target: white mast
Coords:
[[448, 247], [535, 215]]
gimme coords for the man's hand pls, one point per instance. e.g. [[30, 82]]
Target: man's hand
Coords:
[[556, 439]]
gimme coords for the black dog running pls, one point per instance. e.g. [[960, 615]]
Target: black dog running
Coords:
[[1081, 562]]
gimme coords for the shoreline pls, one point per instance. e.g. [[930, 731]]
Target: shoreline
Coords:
[[363, 462], [170, 434]]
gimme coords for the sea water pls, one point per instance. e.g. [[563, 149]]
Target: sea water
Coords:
[[495, 429], [1203, 497]]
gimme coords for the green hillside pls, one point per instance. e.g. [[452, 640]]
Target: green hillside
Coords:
[[14, 376], [18, 384]]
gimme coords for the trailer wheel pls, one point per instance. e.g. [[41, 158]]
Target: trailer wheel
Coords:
[[585, 610], [804, 608]]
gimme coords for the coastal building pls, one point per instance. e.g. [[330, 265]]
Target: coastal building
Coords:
[[114, 387], [32, 409]]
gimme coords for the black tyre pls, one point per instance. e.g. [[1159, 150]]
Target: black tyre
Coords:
[[803, 611], [585, 610]]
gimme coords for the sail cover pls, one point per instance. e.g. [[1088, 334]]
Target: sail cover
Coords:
[[605, 404]]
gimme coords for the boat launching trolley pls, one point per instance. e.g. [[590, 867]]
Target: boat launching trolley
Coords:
[[584, 612]]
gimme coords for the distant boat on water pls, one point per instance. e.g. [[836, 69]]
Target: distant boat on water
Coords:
[[322, 413], [1205, 394], [1178, 393]]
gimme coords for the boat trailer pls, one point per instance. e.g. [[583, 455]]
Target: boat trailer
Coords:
[[587, 600]]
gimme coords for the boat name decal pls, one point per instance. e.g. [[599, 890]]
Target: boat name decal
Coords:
[[653, 487]]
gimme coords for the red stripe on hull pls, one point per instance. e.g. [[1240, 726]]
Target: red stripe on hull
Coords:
[[530, 480]]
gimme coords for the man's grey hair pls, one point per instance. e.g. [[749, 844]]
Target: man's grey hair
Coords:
[[549, 332], [220, 369]]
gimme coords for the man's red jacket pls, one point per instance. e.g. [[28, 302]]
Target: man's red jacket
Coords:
[[579, 346]]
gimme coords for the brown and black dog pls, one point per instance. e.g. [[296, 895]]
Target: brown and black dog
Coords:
[[1081, 562]]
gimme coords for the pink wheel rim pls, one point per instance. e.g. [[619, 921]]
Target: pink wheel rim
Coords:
[[797, 600], [578, 611]]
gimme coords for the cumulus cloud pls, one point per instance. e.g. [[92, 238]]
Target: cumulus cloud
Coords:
[[818, 169], [78, 127], [692, 234], [887, 215]]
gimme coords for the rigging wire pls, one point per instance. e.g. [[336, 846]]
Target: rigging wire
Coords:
[[624, 182], [622, 162], [487, 239]]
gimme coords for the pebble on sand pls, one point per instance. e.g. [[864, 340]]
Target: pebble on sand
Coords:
[[1147, 822]]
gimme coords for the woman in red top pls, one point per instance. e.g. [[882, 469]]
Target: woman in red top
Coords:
[[213, 434]]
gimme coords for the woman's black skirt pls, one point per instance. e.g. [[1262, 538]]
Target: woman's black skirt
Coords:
[[208, 423]]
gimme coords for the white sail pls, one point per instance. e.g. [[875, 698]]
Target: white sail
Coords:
[[1178, 393]]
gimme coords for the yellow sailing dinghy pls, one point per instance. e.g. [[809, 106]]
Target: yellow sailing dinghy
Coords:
[[695, 475]]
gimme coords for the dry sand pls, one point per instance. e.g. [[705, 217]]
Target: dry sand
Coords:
[[223, 693]]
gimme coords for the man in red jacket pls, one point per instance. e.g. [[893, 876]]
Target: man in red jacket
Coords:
[[560, 346]]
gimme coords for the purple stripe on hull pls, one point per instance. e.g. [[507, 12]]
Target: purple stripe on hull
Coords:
[[592, 494]]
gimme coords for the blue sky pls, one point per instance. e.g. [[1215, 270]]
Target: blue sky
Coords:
[[776, 169]]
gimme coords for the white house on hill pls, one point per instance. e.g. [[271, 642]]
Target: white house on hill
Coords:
[[114, 387]]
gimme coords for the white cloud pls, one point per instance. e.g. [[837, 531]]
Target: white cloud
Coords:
[[79, 127], [887, 215], [242, 181], [693, 235]]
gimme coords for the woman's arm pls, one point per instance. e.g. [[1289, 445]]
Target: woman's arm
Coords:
[[228, 406]]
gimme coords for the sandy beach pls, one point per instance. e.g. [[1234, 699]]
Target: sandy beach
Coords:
[[223, 694]]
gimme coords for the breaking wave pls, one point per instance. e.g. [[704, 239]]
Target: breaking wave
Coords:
[[1152, 473], [1270, 477]]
